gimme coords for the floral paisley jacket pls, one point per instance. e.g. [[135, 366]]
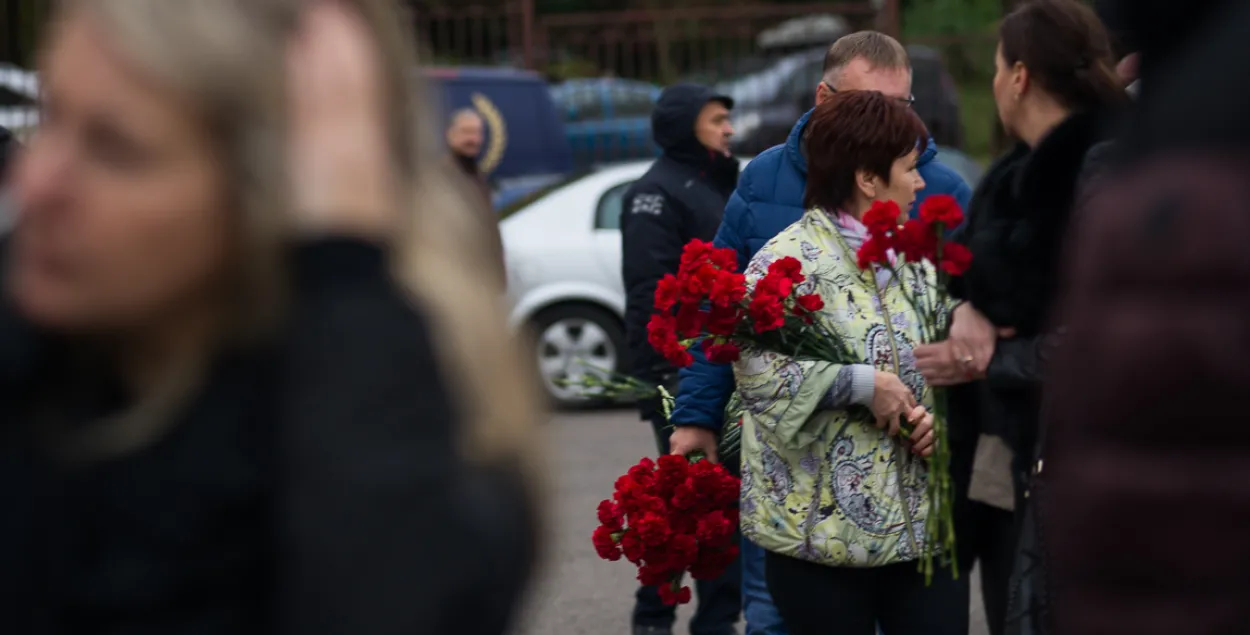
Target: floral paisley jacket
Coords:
[[821, 484]]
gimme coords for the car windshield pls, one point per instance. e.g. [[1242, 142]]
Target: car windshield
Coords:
[[514, 206], [761, 87]]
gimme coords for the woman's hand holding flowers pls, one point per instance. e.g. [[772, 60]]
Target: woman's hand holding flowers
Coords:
[[891, 401]]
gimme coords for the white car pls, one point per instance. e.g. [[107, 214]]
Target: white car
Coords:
[[564, 276]]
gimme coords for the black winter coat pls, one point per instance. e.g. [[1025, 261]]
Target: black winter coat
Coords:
[[681, 198], [312, 489], [1017, 223]]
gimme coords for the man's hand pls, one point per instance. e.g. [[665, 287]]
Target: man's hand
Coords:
[[940, 366], [687, 439], [972, 339]]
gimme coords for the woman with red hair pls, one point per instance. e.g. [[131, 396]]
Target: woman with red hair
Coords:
[[831, 490]]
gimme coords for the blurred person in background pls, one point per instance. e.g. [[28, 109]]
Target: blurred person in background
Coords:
[[8, 149], [1056, 91], [840, 556], [1143, 505], [253, 374], [680, 198], [465, 136], [768, 199]]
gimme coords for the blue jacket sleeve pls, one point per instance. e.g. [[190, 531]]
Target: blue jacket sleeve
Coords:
[[961, 192], [705, 388]]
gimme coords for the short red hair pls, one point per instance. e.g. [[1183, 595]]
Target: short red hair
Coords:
[[856, 130]]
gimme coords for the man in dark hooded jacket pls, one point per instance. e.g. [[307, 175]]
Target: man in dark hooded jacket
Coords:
[[681, 198]]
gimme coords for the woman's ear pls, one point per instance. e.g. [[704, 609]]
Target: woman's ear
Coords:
[[866, 183], [1019, 79]]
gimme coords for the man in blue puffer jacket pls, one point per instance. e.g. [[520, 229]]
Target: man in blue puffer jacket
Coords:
[[769, 198]]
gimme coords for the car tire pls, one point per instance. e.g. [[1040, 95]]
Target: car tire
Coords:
[[571, 341]]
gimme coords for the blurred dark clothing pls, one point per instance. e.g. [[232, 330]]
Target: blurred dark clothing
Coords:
[[468, 166], [1016, 223], [1161, 29], [681, 197], [313, 487], [1016, 227], [1147, 510], [8, 147]]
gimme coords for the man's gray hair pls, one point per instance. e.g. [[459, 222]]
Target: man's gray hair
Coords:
[[461, 113], [877, 48]]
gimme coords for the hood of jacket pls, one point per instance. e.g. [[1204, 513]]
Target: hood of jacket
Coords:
[[797, 153], [673, 119]]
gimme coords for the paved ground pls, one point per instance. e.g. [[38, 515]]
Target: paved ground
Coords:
[[578, 593]]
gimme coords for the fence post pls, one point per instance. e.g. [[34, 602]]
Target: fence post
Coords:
[[527, 32], [892, 19]]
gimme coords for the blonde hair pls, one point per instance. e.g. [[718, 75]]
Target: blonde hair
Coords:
[[227, 59], [877, 48]]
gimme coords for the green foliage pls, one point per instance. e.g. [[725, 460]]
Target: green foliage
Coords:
[[980, 117]]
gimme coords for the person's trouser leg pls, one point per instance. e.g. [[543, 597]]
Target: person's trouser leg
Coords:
[[758, 610], [719, 602], [906, 605], [997, 555], [814, 599]]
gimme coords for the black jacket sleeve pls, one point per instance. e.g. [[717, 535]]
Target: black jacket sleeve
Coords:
[[651, 245], [382, 528], [1020, 362]]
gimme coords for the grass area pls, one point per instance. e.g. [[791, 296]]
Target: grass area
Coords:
[[980, 116]]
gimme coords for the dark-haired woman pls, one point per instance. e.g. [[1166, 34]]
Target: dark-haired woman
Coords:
[[830, 491], [1055, 88]]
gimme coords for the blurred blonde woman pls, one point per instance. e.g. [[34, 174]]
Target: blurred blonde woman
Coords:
[[245, 339]]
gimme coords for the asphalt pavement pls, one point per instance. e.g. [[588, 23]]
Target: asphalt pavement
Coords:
[[577, 593]]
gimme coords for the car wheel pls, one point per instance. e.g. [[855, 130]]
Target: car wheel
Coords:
[[572, 343]]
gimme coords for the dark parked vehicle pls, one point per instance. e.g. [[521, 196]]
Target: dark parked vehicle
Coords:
[[770, 100], [607, 119]]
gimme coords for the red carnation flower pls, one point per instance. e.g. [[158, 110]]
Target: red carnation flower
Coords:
[[810, 303], [722, 352], [714, 528], [632, 547], [918, 240], [767, 313], [775, 285], [941, 209], [882, 218], [662, 331], [605, 544], [788, 267], [727, 289], [955, 259], [671, 595], [695, 251], [667, 291], [611, 516], [725, 259], [690, 320], [723, 321], [873, 251]]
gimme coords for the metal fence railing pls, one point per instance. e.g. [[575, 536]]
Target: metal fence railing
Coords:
[[603, 70]]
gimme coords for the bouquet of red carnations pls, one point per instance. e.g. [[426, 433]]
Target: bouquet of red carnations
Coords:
[[911, 250], [706, 303], [668, 517]]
